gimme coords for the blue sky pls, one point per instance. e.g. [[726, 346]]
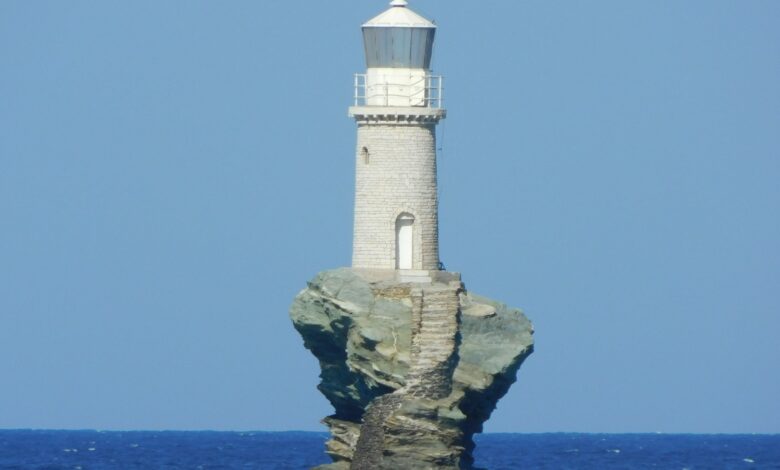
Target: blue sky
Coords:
[[172, 173]]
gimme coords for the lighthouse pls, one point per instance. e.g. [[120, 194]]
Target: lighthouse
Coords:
[[397, 104], [417, 338]]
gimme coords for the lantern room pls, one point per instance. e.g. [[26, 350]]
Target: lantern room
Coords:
[[399, 38], [398, 45]]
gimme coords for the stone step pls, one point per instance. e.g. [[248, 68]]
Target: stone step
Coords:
[[448, 318], [447, 310], [438, 358], [433, 303], [450, 325], [437, 321], [436, 336], [440, 348], [435, 358], [439, 353], [431, 364], [435, 339], [439, 303], [437, 346], [427, 365], [436, 343], [428, 368], [415, 277], [435, 327], [441, 299], [442, 295], [437, 333], [430, 302]]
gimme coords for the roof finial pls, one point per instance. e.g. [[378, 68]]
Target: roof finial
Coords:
[[399, 3]]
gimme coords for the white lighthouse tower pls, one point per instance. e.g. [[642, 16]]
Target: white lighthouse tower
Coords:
[[398, 103]]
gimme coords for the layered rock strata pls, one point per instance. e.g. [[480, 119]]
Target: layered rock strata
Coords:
[[413, 370]]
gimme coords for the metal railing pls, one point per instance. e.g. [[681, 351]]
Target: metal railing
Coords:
[[428, 92]]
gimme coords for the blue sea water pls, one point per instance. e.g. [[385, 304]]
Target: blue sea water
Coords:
[[53, 450]]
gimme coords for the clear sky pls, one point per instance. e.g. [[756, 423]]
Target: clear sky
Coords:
[[172, 173]]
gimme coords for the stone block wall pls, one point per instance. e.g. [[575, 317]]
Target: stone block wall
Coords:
[[395, 174]]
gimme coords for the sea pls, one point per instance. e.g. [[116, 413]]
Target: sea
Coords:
[[53, 450]]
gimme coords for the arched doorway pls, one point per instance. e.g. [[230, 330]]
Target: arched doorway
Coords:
[[404, 241]]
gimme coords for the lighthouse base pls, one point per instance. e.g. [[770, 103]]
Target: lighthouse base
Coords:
[[407, 276], [413, 370], [415, 277]]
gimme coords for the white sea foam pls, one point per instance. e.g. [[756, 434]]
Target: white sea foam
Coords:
[[748, 460]]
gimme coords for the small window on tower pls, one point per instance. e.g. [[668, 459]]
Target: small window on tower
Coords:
[[364, 152]]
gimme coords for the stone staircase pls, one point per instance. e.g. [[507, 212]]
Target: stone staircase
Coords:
[[371, 443], [434, 341], [435, 323]]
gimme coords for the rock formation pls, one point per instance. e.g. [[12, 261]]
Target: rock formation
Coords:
[[412, 369]]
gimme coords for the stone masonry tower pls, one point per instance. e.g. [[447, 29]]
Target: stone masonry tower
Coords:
[[398, 103]]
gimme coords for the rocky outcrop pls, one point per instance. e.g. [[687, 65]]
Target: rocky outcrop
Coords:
[[412, 370]]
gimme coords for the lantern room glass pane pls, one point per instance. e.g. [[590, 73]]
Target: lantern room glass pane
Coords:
[[398, 47]]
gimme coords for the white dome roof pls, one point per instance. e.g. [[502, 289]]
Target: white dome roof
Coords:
[[399, 16]]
